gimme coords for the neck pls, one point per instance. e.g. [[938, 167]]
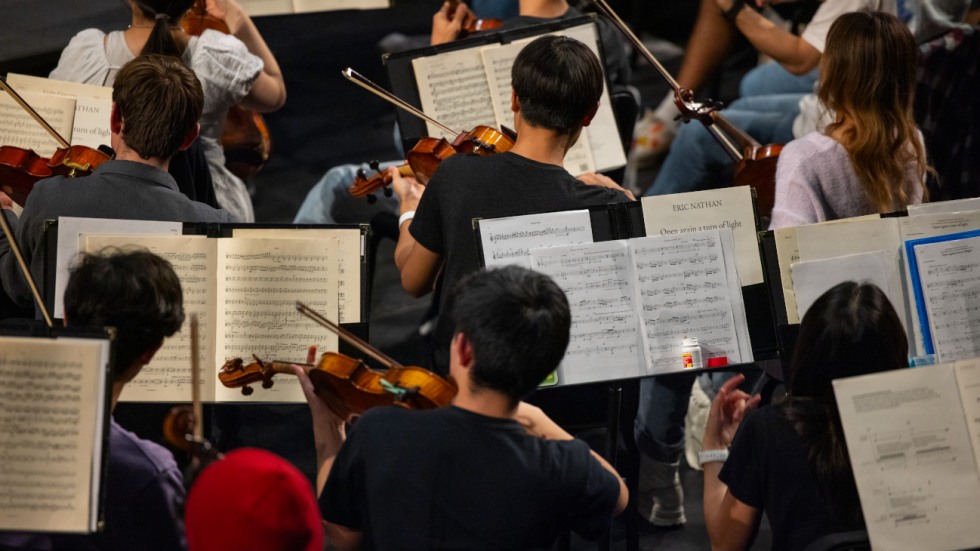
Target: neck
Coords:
[[545, 9], [541, 144], [117, 387], [124, 153], [489, 403]]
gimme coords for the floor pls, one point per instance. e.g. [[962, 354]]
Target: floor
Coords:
[[328, 121]]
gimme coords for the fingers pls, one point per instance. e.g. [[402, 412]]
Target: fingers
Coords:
[[311, 354], [732, 383], [304, 382]]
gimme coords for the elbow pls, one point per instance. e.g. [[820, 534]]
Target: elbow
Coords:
[[414, 288], [624, 498]]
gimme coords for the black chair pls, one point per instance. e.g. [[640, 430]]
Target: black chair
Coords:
[[856, 540]]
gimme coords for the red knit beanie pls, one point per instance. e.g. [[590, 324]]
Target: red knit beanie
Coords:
[[252, 500]]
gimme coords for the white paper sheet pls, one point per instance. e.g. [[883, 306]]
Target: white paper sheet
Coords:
[[814, 278], [511, 240], [949, 273]]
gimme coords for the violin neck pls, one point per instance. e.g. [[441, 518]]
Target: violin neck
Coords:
[[746, 144]]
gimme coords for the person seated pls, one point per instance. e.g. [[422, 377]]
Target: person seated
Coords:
[[156, 105], [488, 471], [252, 499], [138, 294], [330, 202], [235, 68], [557, 83], [789, 459], [871, 158]]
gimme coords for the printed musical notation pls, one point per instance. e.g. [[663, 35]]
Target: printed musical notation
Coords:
[[510, 240], [50, 424], [949, 272]]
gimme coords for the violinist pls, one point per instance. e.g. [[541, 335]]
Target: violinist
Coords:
[[488, 471], [233, 68], [557, 83], [330, 202], [156, 103], [139, 294]]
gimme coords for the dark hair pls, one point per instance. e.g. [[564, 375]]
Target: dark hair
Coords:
[[159, 100], [137, 292], [166, 15], [558, 81], [517, 322], [852, 329]]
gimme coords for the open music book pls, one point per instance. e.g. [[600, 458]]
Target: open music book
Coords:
[[913, 436], [471, 87], [79, 112], [244, 289], [54, 410], [256, 8]]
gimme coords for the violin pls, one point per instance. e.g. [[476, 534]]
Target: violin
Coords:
[[473, 24], [347, 385], [179, 432], [21, 168], [424, 158], [755, 164], [245, 137]]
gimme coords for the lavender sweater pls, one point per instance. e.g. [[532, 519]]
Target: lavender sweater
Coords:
[[815, 182]]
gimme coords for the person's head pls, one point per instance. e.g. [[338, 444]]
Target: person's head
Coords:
[[252, 499], [868, 77], [137, 292], [557, 84], [166, 15], [512, 328], [852, 329], [157, 103]]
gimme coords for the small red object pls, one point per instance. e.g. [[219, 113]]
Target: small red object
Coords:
[[719, 361]]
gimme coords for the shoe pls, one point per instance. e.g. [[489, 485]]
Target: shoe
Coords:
[[652, 137], [694, 423], [661, 498]]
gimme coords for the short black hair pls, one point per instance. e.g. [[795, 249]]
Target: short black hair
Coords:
[[517, 322], [137, 292], [558, 81]]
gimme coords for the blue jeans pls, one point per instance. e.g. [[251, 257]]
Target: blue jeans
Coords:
[[696, 162], [771, 79], [329, 202]]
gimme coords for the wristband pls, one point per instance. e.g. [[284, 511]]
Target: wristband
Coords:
[[712, 456], [731, 13], [405, 217]]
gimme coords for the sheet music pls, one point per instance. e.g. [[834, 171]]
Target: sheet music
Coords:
[[304, 6], [258, 8], [814, 278], [71, 240], [453, 89], [259, 282], [91, 124], [597, 279], [92, 107], [958, 205], [349, 263], [912, 457], [684, 289], [41, 85], [730, 208], [497, 61], [929, 223], [949, 272], [511, 240], [52, 407], [167, 378], [19, 129]]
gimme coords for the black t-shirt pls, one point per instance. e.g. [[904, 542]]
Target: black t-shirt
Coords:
[[465, 187], [767, 469], [449, 478]]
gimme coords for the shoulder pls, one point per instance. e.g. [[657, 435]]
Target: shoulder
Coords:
[[137, 460], [219, 54], [88, 38], [83, 58]]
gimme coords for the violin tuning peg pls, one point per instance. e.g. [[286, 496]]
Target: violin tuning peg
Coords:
[[247, 390], [387, 192], [361, 175], [267, 384], [371, 199], [375, 165]]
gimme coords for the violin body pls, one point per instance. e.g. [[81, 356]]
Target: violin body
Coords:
[[347, 385], [21, 168], [758, 169], [245, 137]]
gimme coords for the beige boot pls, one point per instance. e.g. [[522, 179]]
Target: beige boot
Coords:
[[661, 498]]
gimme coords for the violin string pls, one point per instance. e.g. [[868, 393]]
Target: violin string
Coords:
[[722, 140], [351, 338], [34, 114], [363, 82]]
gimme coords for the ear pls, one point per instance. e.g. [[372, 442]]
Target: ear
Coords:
[[587, 119], [192, 135], [463, 349], [515, 104], [115, 120]]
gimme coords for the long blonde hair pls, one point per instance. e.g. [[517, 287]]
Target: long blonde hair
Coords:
[[868, 79]]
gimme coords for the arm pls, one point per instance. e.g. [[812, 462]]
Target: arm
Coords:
[[795, 54], [418, 266], [731, 524], [268, 93], [446, 23], [601, 180], [534, 420]]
